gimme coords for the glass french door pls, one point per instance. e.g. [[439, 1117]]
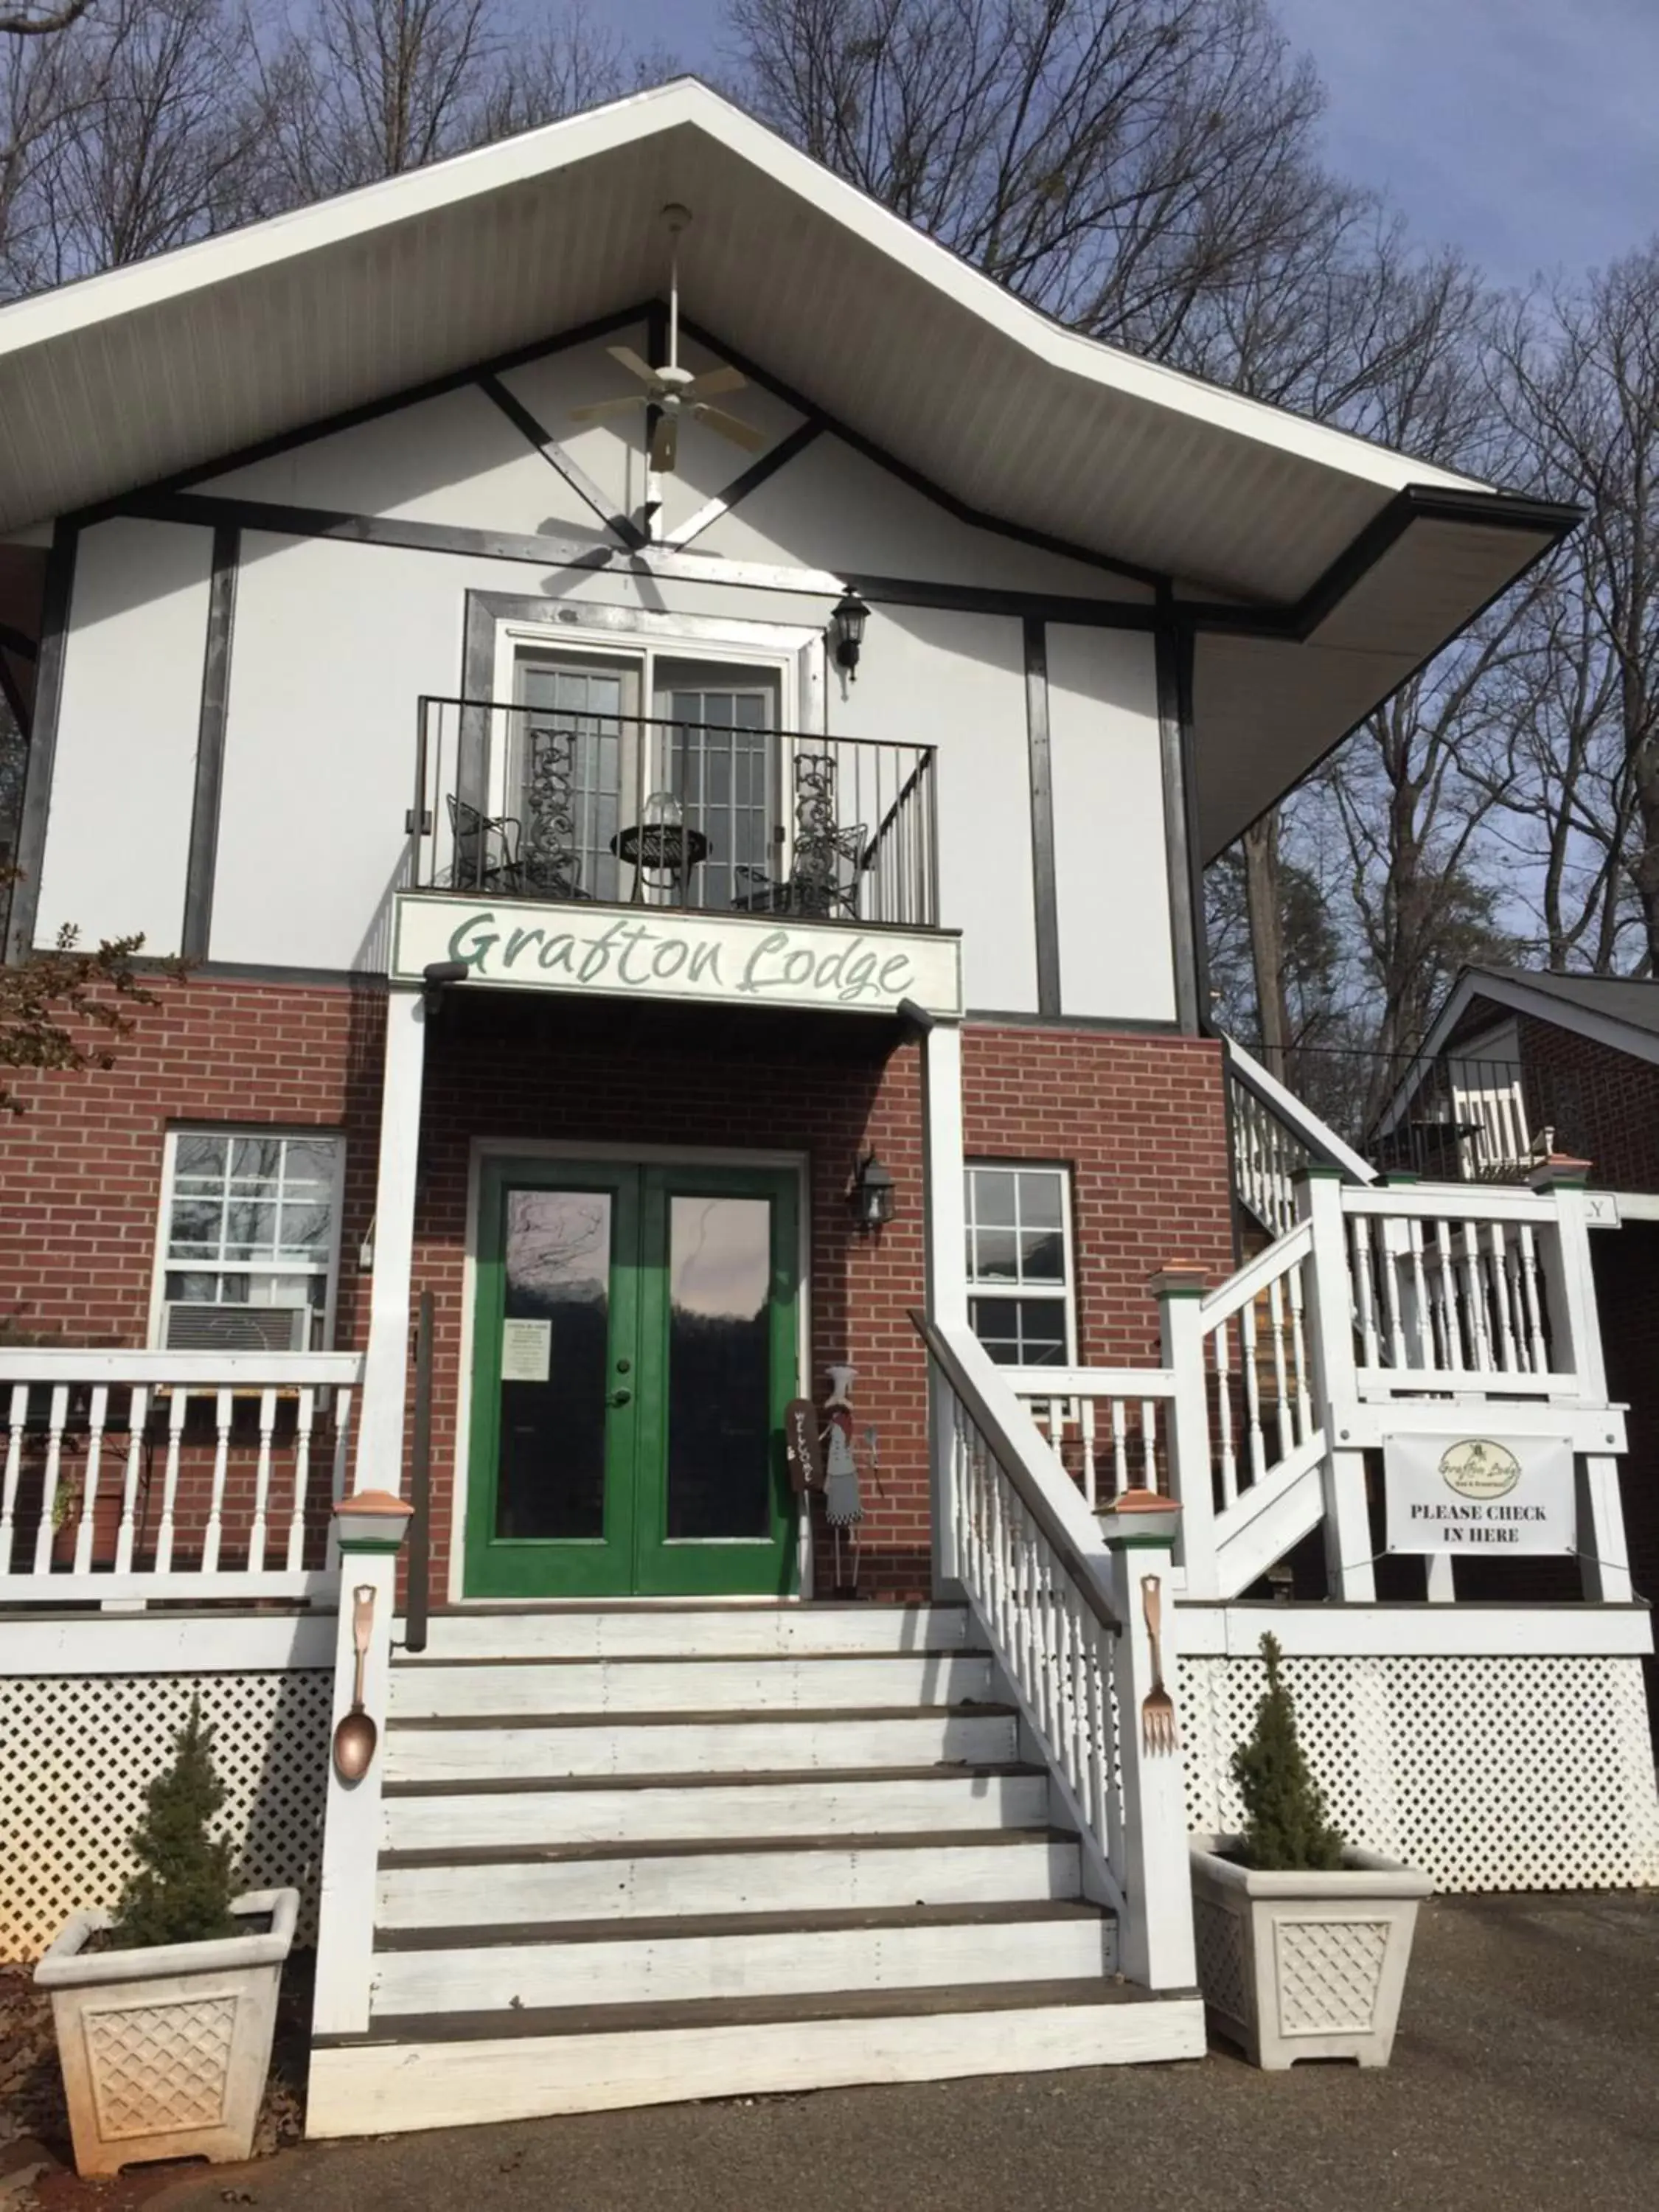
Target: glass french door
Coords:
[[635, 1352]]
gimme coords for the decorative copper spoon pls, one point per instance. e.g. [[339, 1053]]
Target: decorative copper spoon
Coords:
[[354, 1734]]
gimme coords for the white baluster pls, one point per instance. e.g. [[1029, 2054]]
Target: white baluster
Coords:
[[1247, 1360], [16, 1426], [256, 1538], [97, 1417], [137, 1419], [56, 1420], [170, 1481], [1226, 1456], [1424, 1354], [1276, 1325], [1479, 1342], [1387, 1260], [303, 1420], [1535, 1308], [1120, 1451], [1149, 1443], [223, 1407], [1500, 1299], [1364, 1305], [1086, 1425], [1299, 1357]]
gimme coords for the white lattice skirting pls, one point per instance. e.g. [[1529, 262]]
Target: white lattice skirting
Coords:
[[76, 1757], [1488, 1773]]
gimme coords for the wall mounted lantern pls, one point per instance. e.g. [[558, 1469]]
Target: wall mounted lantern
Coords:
[[874, 1193], [846, 631]]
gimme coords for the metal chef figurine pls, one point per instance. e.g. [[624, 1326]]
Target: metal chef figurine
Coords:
[[843, 1508]]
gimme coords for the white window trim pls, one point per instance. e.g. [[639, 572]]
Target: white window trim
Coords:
[[162, 1266], [1067, 1296]]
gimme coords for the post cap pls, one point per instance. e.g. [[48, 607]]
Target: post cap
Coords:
[[1138, 1519], [1560, 1171], [372, 1521], [1178, 1278]]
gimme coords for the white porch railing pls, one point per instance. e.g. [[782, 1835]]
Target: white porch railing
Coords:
[[134, 1476], [1061, 1611], [1387, 1311], [1103, 1422], [1274, 1137]]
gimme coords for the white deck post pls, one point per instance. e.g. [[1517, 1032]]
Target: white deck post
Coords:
[[370, 1526], [946, 1205], [1569, 1290], [1179, 1291], [385, 1368], [1157, 1930], [1348, 1567]]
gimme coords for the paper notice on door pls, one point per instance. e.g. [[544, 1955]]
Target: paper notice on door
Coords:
[[526, 1351]]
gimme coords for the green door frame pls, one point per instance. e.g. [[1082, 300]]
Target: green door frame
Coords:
[[636, 1556]]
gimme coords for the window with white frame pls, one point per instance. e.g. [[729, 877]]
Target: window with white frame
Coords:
[[250, 1240], [1019, 1264]]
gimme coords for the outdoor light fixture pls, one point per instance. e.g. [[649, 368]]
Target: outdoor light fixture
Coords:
[[846, 629], [872, 1193]]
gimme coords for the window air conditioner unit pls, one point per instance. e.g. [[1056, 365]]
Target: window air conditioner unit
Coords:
[[196, 1325]]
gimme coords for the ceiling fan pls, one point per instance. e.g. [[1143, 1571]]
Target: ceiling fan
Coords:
[[671, 393]]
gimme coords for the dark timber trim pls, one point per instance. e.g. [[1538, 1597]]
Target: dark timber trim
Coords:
[[203, 849], [1185, 658], [43, 740], [350, 418], [779, 457], [1416, 503], [1044, 896], [621, 527], [1177, 828]]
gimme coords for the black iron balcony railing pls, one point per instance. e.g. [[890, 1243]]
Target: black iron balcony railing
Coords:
[[570, 802]]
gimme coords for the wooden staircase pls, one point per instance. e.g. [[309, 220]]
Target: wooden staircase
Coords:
[[633, 1854]]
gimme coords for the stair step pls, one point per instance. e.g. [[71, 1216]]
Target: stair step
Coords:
[[635, 1631], [491, 2067], [774, 1682], [727, 1955], [856, 1801], [687, 1743], [610, 1886]]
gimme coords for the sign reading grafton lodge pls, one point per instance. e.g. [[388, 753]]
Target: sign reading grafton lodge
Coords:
[[657, 952]]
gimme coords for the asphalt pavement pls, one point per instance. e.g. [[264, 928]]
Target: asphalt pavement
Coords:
[[1526, 2074]]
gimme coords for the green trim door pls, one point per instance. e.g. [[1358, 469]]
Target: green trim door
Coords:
[[634, 1349]]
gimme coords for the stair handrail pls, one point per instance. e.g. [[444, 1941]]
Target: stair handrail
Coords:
[[1323, 1142]]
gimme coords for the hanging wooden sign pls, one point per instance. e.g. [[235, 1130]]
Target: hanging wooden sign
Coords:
[[801, 1452]]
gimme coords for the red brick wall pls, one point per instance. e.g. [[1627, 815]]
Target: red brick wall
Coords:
[[1603, 1104], [1138, 1119]]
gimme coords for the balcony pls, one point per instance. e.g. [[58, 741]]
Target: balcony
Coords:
[[566, 848]]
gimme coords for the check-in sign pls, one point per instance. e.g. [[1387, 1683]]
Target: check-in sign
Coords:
[[1485, 1497]]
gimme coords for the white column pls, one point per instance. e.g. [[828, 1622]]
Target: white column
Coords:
[[1156, 1933], [386, 1367], [945, 1219], [1349, 1572], [370, 1528], [1569, 1290], [1179, 1291]]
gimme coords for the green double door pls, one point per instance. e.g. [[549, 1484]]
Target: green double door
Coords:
[[634, 1351]]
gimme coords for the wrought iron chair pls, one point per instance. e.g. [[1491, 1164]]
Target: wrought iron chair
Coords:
[[827, 859], [485, 848]]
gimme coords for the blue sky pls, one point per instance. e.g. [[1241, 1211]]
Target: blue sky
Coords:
[[1526, 132]]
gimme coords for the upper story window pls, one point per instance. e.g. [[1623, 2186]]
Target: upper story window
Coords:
[[250, 1240], [1019, 1264]]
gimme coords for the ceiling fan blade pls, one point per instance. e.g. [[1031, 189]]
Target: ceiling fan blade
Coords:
[[734, 427], [601, 408], [665, 444], [715, 380], [630, 360]]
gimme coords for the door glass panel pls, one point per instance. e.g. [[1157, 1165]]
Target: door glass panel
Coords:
[[555, 1335], [719, 1412], [572, 765], [720, 772]]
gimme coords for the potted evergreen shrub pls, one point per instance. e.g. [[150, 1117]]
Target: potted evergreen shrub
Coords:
[[1303, 1937], [164, 2009]]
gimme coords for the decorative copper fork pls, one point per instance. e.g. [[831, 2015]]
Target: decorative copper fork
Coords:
[[1158, 1712]]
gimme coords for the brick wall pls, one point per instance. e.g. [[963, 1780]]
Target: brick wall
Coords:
[[1138, 1120], [1602, 1103]]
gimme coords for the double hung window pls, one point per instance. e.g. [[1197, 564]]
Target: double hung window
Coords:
[[250, 1240], [1020, 1302]]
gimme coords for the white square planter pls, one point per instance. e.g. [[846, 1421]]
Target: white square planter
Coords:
[[165, 2052], [1304, 1965]]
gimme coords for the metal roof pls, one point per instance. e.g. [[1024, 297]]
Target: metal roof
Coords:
[[129, 377]]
